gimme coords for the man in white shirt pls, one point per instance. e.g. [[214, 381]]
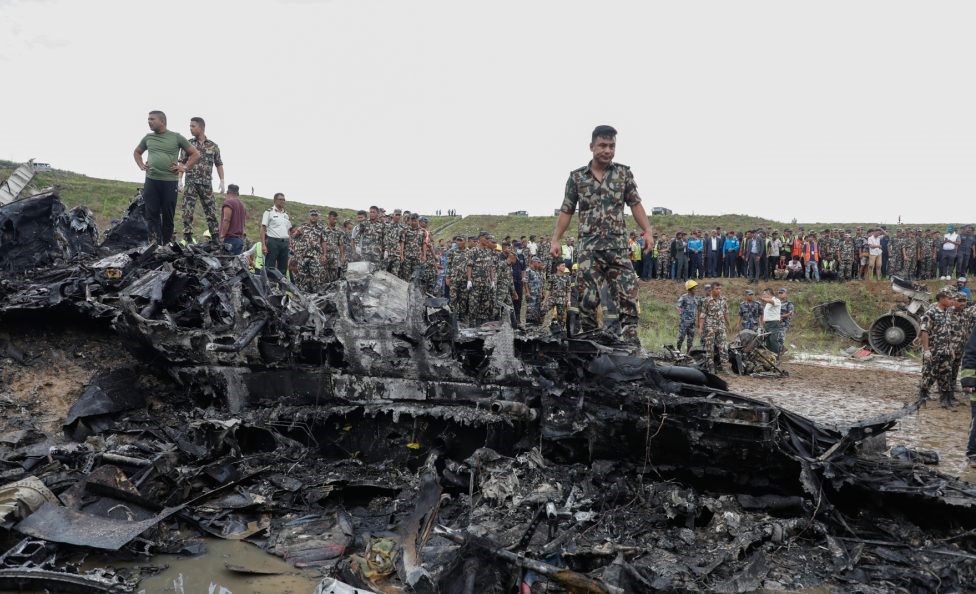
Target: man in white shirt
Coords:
[[275, 227], [950, 246], [771, 321], [874, 255], [533, 246]]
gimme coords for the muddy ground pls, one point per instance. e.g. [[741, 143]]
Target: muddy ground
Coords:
[[842, 395]]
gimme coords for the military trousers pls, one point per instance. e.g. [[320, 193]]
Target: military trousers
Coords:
[[937, 369], [716, 337], [610, 270], [686, 330], [202, 192]]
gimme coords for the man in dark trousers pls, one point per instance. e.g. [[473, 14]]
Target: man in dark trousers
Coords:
[[714, 246], [162, 174]]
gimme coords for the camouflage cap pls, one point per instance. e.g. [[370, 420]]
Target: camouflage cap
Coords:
[[313, 212], [397, 211], [536, 259], [750, 292], [424, 220], [947, 291]]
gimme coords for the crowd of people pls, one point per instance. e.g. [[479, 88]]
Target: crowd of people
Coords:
[[765, 254], [486, 279]]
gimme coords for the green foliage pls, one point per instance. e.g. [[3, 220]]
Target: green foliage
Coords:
[[109, 200], [865, 300]]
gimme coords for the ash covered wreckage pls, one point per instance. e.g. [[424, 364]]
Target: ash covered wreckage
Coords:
[[363, 433]]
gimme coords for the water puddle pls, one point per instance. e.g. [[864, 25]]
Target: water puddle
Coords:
[[254, 572], [879, 362]]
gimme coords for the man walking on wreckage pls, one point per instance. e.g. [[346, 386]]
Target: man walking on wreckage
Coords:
[[600, 190]]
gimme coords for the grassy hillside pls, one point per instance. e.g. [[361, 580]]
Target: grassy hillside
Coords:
[[109, 199], [866, 301]]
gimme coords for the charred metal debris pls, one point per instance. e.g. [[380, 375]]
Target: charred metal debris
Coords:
[[361, 432]]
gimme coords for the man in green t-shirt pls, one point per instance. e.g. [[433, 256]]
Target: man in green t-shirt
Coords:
[[162, 170]]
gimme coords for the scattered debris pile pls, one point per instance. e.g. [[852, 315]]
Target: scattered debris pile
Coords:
[[361, 432], [890, 334]]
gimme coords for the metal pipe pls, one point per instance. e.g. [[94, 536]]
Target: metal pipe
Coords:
[[241, 342]]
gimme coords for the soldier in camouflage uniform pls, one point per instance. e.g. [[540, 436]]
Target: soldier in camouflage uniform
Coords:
[[370, 237], [687, 315], [457, 266], [347, 229], [335, 249], [600, 190], [199, 180], [895, 248], [749, 312], [786, 313], [910, 261], [392, 236], [664, 256], [547, 259], [411, 252], [482, 268], [557, 293], [532, 279], [939, 326], [713, 323], [928, 262], [505, 295], [848, 256], [699, 300], [966, 315], [308, 245]]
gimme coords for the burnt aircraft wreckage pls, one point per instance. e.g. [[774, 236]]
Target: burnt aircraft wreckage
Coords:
[[362, 432], [889, 334]]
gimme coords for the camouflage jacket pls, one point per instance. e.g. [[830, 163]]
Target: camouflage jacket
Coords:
[[370, 239], [505, 285], [533, 282], [457, 265], [911, 249], [750, 311], [601, 205], [392, 236], [967, 321], [786, 307], [334, 237], [687, 309], [713, 312], [847, 248], [483, 265], [413, 243], [202, 172], [308, 240], [942, 327], [559, 288]]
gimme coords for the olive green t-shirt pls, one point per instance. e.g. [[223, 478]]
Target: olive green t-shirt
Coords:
[[164, 149]]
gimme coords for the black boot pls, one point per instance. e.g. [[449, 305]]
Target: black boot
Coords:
[[947, 399]]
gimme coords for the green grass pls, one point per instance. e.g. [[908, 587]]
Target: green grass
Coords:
[[866, 301], [109, 199]]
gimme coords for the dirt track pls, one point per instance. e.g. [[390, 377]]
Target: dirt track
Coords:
[[840, 396]]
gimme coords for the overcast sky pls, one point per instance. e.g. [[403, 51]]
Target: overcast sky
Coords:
[[819, 111]]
